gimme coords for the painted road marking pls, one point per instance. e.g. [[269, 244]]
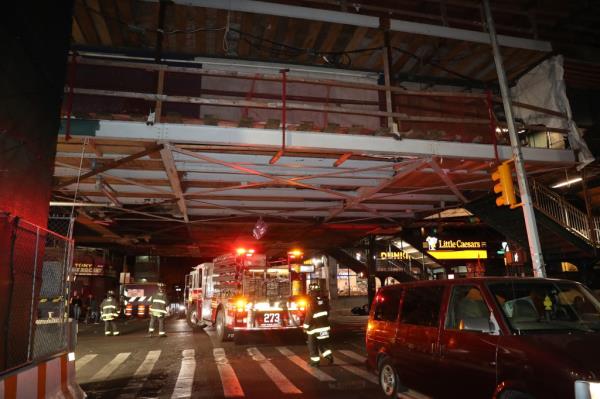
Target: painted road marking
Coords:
[[354, 355], [142, 373], [111, 366], [229, 381], [79, 363], [356, 371], [185, 380], [273, 372], [303, 364]]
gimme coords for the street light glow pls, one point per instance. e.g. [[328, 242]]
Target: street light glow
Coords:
[[567, 182]]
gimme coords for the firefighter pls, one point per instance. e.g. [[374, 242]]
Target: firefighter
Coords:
[[316, 325], [158, 310], [109, 312]]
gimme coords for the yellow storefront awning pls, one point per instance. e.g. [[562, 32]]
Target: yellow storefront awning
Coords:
[[465, 254]]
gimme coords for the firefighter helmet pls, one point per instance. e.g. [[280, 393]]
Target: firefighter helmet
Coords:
[[314, 288], [110, 293]]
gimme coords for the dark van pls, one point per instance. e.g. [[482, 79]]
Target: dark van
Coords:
[[505, 338]]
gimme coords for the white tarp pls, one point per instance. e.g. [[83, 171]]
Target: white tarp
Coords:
[[544, 86]]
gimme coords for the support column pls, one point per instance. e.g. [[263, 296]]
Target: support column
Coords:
[[387, 74], [33, 75], [535, 248], [588, 209], [371, 270]]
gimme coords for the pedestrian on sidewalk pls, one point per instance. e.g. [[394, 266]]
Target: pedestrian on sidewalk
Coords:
[[76, 304], [317, 327], [110, 311], [92, 309], [158, 310]]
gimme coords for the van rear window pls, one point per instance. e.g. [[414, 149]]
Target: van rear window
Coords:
[[386, 305], [421, 306]]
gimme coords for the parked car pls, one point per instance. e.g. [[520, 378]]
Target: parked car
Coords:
[[501, 338]]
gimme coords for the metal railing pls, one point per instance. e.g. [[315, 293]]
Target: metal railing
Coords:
[[554, 206]]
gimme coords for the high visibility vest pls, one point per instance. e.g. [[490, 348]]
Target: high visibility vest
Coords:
[[158, 305], [316, 321], [109, 309]]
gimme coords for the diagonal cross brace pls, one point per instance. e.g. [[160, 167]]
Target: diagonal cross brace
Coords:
[[276, 179], [444, 176], [367, 194], [113, 164], [171, 169]]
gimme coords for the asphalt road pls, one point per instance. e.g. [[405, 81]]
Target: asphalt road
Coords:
[[188, 364]]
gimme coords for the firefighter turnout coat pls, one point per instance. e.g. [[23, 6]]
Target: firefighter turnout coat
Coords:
[[109, 309], [158, 305], [316, 321]]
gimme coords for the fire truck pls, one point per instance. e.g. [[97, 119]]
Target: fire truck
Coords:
[[241, 291]]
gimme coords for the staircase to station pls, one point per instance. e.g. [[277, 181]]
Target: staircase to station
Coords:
[[401, 270], [566, 233]]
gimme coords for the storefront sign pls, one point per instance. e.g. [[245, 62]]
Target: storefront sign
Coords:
[[394, 255], [455, 249], [88, 269], [307, 268]]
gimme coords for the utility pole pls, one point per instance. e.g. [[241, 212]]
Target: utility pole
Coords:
[[535, 248]]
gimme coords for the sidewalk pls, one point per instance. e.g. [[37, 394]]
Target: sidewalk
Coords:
[[342, 320]]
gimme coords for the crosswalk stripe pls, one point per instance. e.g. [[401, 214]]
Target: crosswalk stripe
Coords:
[[229, 381], [185, 380], [79, 363], [134, 385], [356, 371], [274, 374], [111, 366], [303, 364], [353, 355]]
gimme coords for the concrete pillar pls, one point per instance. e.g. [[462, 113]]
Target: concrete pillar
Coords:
[[35, 44], [332, 269], [371, 270]]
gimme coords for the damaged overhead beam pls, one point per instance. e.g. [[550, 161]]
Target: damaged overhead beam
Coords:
[[346, 18], [313, 141]]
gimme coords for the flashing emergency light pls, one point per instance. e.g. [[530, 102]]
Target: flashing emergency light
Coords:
[[244, 251], [240, 304], [301, 303], [295, 253]]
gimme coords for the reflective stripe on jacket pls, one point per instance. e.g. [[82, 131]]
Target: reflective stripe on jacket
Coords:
[[316, 320], [109, 309], [158, 305]]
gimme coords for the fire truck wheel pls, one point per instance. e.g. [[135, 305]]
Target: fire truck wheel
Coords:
[[192, 320], [223, 333]]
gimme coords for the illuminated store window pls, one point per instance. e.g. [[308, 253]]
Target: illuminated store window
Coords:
[[350, 284]]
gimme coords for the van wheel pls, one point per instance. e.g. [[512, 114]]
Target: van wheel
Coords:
[[515, 395], [223, 333], [388, 379]]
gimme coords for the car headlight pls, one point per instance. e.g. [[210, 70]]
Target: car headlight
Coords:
[[587, 390]]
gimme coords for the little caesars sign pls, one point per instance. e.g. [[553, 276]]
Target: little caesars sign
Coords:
[[433, 243]]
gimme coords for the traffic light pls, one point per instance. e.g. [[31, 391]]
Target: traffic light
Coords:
[[504, 185]]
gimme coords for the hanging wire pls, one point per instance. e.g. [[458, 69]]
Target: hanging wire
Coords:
[[226, 34], [71, 225]]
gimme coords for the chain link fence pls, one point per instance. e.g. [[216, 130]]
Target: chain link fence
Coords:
[[35, 266]]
